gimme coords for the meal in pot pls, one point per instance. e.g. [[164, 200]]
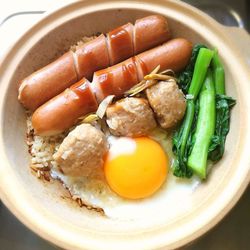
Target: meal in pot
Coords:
[[124, 118]]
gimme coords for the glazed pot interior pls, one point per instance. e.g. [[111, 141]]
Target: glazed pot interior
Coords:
[[48, 200]]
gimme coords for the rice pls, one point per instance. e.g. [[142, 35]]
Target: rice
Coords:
[[42, 148], [83, 40]]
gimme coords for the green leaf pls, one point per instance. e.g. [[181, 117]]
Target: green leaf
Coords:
[[180, 168], [217, 147], [185, 77]]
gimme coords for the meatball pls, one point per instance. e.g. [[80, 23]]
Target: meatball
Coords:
[[81, 152], [168, 103], [130, 117]]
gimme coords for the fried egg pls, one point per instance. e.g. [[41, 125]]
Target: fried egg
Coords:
[[134, 181], [135, 168]]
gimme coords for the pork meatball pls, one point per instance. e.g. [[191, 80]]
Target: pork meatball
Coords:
[[168, 103], [130, 117], [81, 152]]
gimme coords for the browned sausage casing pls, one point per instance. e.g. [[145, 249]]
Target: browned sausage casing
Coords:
[[120, 44], [62, 111], [91, 57], [117, 79], [149, 32], [47, 82]]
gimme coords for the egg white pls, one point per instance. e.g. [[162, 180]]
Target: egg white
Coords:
[[172, 198]]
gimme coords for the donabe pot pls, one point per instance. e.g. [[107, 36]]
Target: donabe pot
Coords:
[[40, 205]]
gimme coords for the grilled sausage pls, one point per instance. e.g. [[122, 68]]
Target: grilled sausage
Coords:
[[62, 111], [101, 52], [117, 79], [149, 32], [114, 80], [120, 43], [91, 57], [174, 55], [47, 82]]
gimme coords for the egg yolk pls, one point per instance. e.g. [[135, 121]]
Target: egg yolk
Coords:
[[136, 173]]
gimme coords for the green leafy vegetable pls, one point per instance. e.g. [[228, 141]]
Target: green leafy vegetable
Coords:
[[197, 160], [223, 105], [219, 75], [185, 76], [183, 137], [203, 132], [217, 147], [179, 147]]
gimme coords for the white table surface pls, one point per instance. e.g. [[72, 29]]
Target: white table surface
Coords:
[[233, 233]]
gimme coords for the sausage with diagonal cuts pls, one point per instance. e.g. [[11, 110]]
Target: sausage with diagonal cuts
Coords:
[[62, 111], [101, 52]]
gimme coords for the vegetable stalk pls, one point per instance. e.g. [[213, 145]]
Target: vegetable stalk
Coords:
[[200, 70], [197, 160], [223, 105], [181, 137], [219, 75], [185, 77]]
